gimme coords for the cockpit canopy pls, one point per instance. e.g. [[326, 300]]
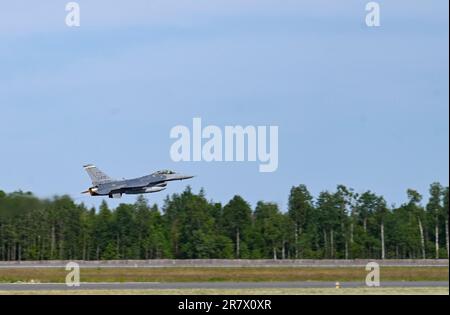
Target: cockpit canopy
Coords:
[[165, 172]]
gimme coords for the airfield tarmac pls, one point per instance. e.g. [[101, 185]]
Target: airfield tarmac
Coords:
[[228, 263], [229, 277], [212, 285]]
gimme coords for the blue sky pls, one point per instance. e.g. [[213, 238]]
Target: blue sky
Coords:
[[358, 106]]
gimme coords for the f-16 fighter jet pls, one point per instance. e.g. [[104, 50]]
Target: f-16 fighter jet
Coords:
[[103, 185]]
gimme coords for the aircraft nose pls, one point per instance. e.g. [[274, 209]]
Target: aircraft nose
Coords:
[[183, 176]]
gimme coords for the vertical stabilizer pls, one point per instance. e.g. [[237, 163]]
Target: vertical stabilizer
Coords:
[[96, 175]]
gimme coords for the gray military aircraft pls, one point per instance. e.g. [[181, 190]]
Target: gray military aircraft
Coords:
[[103, 185]]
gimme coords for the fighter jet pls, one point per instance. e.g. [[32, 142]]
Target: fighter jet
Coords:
[[103, 185]]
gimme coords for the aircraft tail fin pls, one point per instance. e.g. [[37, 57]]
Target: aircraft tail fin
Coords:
[[96, 175]]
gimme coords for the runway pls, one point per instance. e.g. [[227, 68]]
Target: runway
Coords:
[[210, 285], [227, 263]]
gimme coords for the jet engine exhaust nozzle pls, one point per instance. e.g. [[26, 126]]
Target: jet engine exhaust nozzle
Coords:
[[92, 191]]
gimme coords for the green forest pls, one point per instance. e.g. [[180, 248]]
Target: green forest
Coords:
[[341, 224]]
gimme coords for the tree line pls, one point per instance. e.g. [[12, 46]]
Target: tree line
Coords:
[[341, 224]]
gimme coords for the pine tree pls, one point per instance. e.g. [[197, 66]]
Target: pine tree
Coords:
[[236, 221], [445, 214], [413, 204], [434, 208], [299, 211]]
